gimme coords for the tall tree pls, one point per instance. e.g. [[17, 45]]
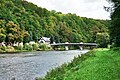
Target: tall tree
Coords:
[[14, 33], [115, 23]]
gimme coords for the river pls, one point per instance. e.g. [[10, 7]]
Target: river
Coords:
[[29, 65]]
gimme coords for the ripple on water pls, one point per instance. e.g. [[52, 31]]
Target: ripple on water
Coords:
[[27, 66]]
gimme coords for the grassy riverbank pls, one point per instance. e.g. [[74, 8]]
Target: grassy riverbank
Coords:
[[100, 64]]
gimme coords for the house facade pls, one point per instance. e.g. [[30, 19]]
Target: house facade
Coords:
[[44, 40]]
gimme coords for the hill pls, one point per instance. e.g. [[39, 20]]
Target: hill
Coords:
[[29, 22]]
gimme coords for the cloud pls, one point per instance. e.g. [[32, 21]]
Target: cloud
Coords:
[[91, 1], [85, 8]]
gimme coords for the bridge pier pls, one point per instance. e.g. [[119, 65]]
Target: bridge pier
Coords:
[[66, 48], [81, 47]]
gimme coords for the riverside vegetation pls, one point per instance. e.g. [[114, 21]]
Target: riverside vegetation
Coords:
[[25, 48], [98, 64]]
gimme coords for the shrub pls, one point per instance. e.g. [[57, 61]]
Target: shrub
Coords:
[[43, 47], [3, 48], [102, 39], [35, 46], [115, 48], [28, 47], [10, 49], [20, 47]]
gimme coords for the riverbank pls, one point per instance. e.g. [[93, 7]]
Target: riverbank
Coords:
[[99, 64], [24, 48]]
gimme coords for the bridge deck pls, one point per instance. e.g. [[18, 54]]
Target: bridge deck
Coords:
[[79, 44]]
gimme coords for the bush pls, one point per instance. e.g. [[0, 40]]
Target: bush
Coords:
[[20, 47], [102, 39], [10, 49], [35, 46], [115, 48], [3, 48], [28, 47], [43, 47]]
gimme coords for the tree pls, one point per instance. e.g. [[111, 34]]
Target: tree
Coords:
[[2, 37], [14, 33], [115, 23], [19, 16], [94, 30], [2, 33], [102, 39]]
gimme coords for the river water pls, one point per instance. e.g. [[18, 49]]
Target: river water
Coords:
[[29, 65]]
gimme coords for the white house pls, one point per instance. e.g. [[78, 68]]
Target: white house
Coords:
[[44, 40], [2, 44]]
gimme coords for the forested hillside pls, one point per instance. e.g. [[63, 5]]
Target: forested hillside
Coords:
[[24, 21]]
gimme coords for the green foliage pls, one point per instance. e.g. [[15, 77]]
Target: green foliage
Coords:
[[14, 33], [102, 39], [35, 46], [115, 23], [115, 48], [101, 64], [43, 47], [2, 34], [2, 37], [28, 47], [10, 49], [1, 51], [19, 16], [3, 48], [20, 47]]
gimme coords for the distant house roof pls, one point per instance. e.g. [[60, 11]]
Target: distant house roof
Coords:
[[45, 39], [2, 44]]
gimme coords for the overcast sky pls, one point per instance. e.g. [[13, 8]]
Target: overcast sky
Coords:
[[84, 8]]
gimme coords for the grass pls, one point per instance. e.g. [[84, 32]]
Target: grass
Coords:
[[99, 64]]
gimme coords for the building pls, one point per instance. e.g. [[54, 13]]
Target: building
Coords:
[[44, 40], [2, 44]]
